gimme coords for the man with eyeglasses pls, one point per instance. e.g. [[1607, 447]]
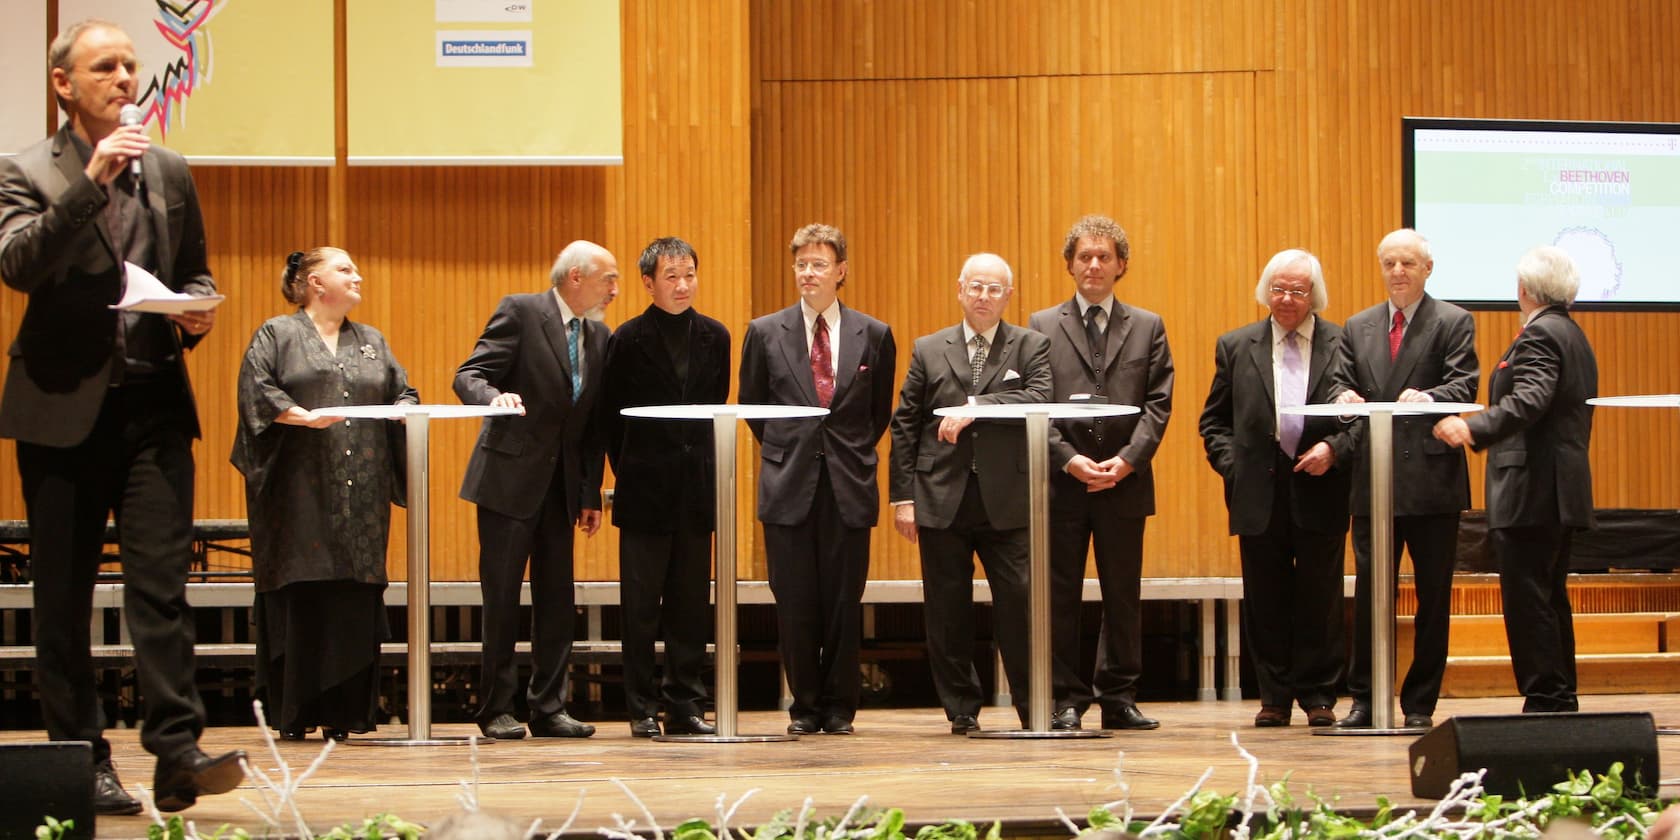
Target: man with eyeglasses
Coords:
[[959, 488], [818, 494], [1102, 487], [102, 410], [1410, 347], [1286, 487]]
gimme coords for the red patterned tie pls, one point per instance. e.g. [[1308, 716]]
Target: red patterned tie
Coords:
[[822, 367], [1395, 333]]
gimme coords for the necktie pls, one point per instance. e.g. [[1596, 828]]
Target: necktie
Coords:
[[1292, 391], [573, 328], [1395, 333], [1094, 333], [977, 362], [822, 366]]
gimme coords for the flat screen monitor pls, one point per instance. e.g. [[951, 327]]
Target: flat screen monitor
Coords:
[[1483, 192]]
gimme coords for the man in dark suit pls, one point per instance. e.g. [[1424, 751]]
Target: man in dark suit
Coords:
[[663, 500], [960, 489], [818, 495], [533, 476], [102, 412], [1105, 487], [1539, 483], [1286, 487], [1410, 347]]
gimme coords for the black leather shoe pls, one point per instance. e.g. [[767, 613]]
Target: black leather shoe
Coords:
[[804, 726], [1128, 717], [178, 782], [502, 728], [329, 733], [1065, 720], [689, 725], [1416, 720], [644, 728], [1358, 717], [560, 725], [837, 725], [964, 724], [108, 794], [293, 734]]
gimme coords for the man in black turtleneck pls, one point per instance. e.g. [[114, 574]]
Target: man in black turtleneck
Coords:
[[662, 502]]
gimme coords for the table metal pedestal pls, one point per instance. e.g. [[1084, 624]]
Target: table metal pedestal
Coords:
[[1038, 417], [1380, 432], [418, 419], [724, 419]]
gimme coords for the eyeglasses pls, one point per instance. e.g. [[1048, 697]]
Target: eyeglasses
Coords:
[[1298, 294], [819, 266], [990, 290]]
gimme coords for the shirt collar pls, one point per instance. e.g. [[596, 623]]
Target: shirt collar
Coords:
[[831, 314], [991, 334], [1411, 311], [1305, 330], [1107, 304], [566, 313]]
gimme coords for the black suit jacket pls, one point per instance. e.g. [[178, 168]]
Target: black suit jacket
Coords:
[[934, 474], [776, 369], [1137, 369], [54, 247], [523, 351], [1239, 425], [1537, 426], [1438, 357], [663, 467]]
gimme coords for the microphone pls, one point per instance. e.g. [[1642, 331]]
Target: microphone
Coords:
[[130, 115]]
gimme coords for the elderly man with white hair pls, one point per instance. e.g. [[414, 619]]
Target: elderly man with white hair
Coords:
[[1539, 485], [959, 489]]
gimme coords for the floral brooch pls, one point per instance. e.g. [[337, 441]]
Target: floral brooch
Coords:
[[368, 353]]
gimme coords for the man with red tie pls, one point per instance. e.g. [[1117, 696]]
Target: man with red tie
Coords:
[[818, 493], [1410, 347]]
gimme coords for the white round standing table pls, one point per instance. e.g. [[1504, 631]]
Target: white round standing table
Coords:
[[418, 421], [1380, 433], [1038, 417], [724, 419]]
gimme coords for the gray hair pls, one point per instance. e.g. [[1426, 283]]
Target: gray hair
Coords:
[[1286, 259], [59, 52], [983, 261], [579, 254], [1549, 276], [1415, 239]]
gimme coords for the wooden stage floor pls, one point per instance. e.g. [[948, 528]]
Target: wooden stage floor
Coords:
[[902, 758]]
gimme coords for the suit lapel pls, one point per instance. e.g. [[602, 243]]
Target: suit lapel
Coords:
[[699, 353], [1119, 326], [1321, 351], [956, 355], [795, 353], [1002, 350], [1260, 355], [1072, 324], [595, 350], [851, 351], [70, 167], [157, 208], [1418, 336]]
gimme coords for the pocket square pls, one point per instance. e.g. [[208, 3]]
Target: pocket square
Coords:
[[863, 368], [1011, 375]]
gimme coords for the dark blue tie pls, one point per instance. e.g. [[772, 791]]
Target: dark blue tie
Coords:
[[573, 328]]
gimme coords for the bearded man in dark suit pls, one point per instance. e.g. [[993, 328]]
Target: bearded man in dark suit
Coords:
[[818, 492], [534, 476]]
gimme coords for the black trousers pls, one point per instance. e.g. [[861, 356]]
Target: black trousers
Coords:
[[1292, 605], [505, 544], [1539, 624], [665, 593], [137, 464], [1077, 521], [1433, 544], [947, 556], [817, 572]]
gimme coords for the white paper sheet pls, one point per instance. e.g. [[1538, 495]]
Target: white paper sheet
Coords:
[[146, 293]]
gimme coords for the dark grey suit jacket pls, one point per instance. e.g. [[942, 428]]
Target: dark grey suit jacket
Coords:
[[776, 369], [523, 351], [1137, 369], [934, 474], [1239, 424], [1537, 426], [55, 248], [1438, 357]]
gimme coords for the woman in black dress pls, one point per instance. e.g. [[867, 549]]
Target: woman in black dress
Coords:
[[319, 490]]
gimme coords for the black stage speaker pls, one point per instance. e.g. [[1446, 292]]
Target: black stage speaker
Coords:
[[53, 779], [1530, 753]]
